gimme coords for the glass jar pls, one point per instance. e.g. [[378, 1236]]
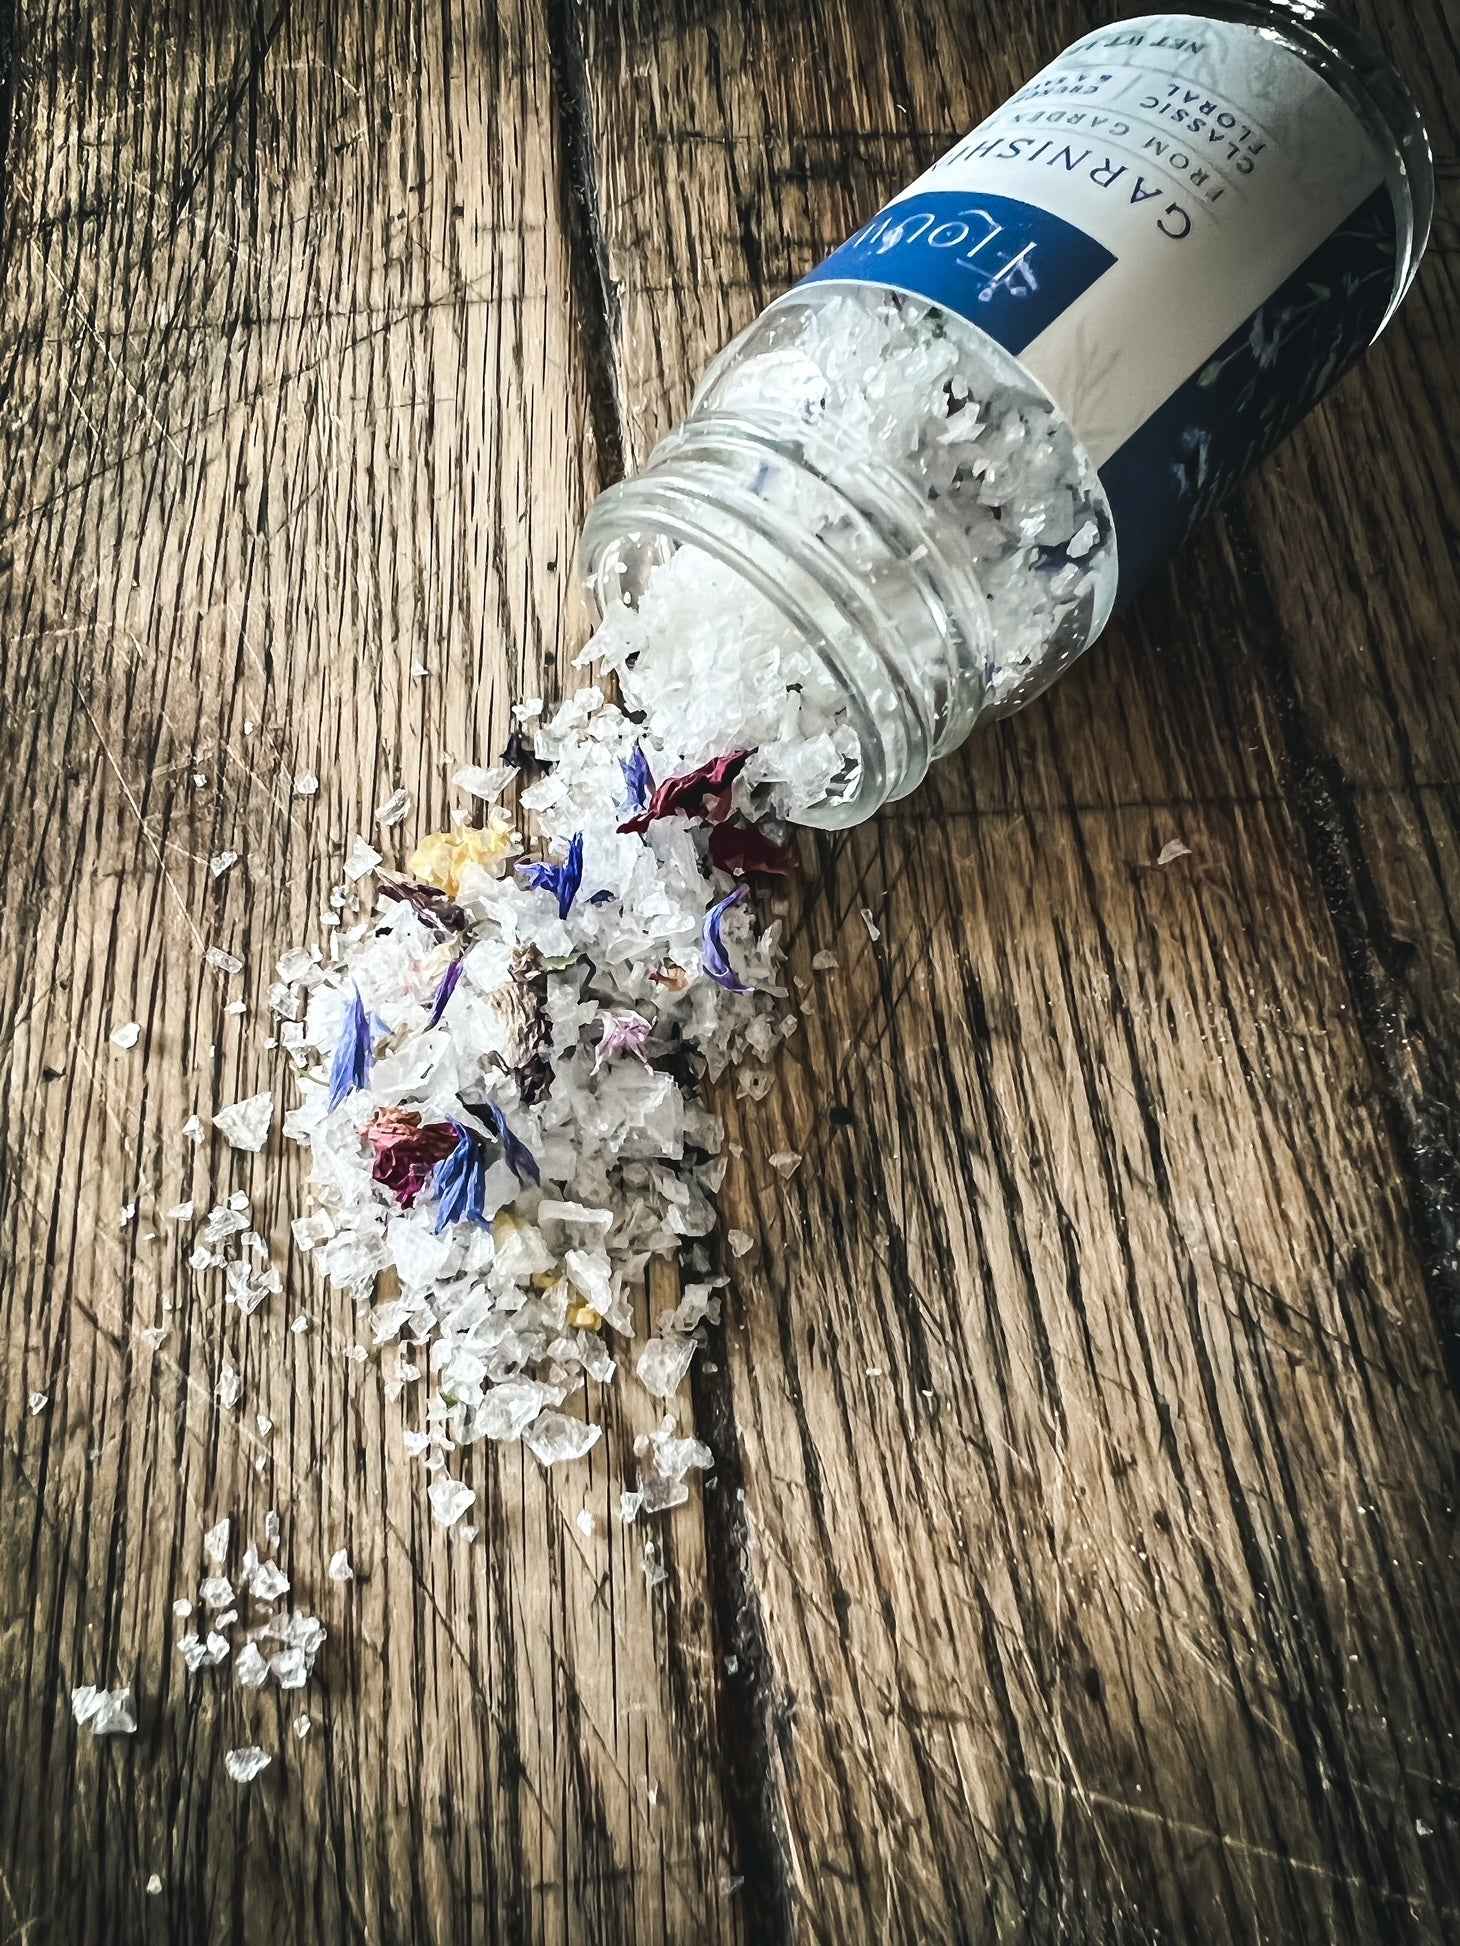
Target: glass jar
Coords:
[[937, 462]]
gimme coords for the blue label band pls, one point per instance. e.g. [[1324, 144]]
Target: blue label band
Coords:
[[1248, 396], [1007, 266]]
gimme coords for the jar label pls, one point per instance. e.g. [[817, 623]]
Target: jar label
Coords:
[[1182, 233]]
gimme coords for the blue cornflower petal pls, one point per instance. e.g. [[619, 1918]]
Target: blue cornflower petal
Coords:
[[712, 947], [458, 1183], [444, 992], [638, 779], [354, 1053], [518, 1156], [561, 880]]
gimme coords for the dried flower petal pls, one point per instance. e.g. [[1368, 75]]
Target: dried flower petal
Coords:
[[518, 1157], [354, 1052], [712, 946], [458, 1182], [561, 880], [405, 1151], [638, 780], [445, 856], [444, 992], [741, 849], [705, 788], [624, 1032]]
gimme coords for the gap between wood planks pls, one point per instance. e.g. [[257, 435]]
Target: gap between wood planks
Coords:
[[745, 1760], [1323, 806]]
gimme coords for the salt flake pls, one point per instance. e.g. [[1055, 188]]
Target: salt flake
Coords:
[[246, 1123], [246, 1764], [107, 1711], [361, 859], [394, 810], [449, 1500]]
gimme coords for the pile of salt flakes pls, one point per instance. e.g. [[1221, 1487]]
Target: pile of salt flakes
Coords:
[[500, 1069], [500, 1073]]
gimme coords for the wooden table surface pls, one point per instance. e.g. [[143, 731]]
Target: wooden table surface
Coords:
[[1080, 1564]]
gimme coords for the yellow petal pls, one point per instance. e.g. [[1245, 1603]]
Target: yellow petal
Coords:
[[442, 858]]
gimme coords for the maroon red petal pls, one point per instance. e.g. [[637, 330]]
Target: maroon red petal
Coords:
[[741, 849], [405, 1152], [705, 789]]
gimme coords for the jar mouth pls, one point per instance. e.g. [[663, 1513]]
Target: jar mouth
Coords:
[[899, 662], [634, 526]]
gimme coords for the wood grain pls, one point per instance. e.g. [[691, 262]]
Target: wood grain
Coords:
[[1104, 1283], [295, 401], [1080, 1560]]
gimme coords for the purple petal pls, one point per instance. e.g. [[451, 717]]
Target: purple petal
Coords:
[[354, 1052], [561, 880], [444, 992], [517, 1155], [638, 779], [712, 946]]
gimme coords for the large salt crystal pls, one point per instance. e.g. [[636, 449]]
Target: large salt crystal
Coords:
[[419, 1256], [108, 1712], [590, 1272], [250, 1667], [554, 1437], [246, 1124], [361, 859], [662, 1364], [449, 1500], [487, 784], [198, 1653], [244, 1764], [269, 1582], [508, 1409]]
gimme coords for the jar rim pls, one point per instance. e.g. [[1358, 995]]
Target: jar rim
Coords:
[[648, 508]]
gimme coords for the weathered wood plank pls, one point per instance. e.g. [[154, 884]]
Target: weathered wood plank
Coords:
[[295, 402], [1094, 1425]]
